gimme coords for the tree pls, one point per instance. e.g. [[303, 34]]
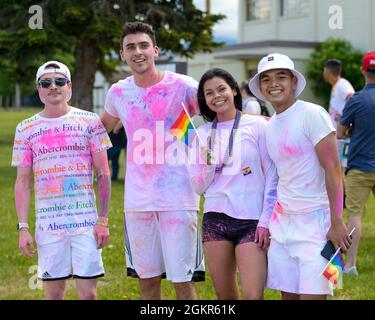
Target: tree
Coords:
[[334, 49], [89, 31]]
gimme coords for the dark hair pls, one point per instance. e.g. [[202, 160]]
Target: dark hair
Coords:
[[245, 87], [137, 27], [370, 70], [334, 66], [370, 73], [206, 112], [52, 65]]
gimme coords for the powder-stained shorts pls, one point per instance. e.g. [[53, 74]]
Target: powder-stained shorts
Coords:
[[294, 260], [61, 257], [358, 186], [166, 244], [221, 227]]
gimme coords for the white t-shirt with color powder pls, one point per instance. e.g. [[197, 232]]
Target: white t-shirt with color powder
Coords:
[[60, 151], [291, 139], [157, 176], [340, 94], [246, 187]]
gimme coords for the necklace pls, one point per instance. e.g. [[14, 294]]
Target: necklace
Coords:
[[229, 150]]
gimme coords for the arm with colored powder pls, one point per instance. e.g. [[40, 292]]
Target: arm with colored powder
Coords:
[[327, 153], [101, 167], [270, 194], [22, 197]]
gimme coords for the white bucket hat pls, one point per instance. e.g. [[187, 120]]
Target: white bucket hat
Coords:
[[62, 68], [276, 61]]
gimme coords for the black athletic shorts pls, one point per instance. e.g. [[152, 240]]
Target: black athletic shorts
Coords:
[[220, 227]]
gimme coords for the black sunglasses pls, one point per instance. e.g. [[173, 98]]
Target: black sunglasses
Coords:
[[59, 82]]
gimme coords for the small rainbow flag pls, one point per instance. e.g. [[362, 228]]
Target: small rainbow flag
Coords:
[[333, 271], [182, 129]]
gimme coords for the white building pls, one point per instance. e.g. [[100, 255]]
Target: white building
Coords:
[[292, 27]]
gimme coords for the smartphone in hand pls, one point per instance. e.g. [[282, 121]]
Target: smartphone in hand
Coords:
[[328, 250]]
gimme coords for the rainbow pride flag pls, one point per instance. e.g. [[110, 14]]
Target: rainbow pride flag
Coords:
[[333, 271], [182, 129]]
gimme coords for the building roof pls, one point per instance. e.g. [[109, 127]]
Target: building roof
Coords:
[[257, 49]]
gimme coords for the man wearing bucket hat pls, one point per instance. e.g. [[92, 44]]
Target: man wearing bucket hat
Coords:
[[301, 141], [359, 115], [60, 146]]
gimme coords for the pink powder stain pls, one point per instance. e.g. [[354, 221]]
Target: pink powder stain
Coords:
[[274, 217], [54, 139], [142, 261], [51, 186], [157, 101], [287, 150], [117, 91], [145, 218], [339, 203], [19, 199], [172, 225], [150, 171], [27, 158], [175, 222], [200, 181], [138, 118], [284, 149], [279, 207]]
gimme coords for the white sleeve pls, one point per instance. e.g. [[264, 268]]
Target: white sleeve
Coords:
[[109, 105], [201, 174], [252, 106], [271, 178], [317, 124], [345, 90]]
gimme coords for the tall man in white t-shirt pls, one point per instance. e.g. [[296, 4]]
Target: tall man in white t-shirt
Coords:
[[60, 146], [161, 221], [341, 91], [301, 141]]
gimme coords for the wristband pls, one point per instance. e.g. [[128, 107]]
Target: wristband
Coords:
[[21, 225], [102, 223]]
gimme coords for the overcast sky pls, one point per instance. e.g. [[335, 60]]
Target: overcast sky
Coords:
[[227, 29]]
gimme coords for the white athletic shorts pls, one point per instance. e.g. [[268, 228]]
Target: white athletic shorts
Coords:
[[294, 260], [166, 244], [62, 257]]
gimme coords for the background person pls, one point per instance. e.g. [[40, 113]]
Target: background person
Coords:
[[119, 141], [250, 104], [341, 92], [359, 116]]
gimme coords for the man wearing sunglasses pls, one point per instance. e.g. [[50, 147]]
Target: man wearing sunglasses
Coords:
[[60, 146]]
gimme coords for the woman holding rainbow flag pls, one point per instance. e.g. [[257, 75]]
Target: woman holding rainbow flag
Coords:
[[238, 181]]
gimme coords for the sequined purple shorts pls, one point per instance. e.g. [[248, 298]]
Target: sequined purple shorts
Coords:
[[220, 227]]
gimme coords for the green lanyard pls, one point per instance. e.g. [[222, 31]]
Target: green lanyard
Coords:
[[229, 151]]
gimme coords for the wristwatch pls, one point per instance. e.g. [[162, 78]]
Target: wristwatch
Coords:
[[21, 225]]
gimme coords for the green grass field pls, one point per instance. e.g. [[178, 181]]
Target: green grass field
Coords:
[[18, 274]]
